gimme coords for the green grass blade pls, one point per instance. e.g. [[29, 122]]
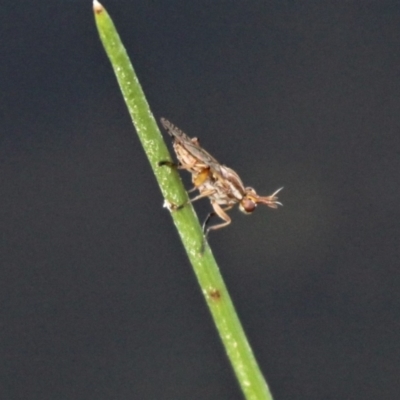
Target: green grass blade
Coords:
[[226, 320]]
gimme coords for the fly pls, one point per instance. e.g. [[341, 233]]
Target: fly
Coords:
[[221, 184]]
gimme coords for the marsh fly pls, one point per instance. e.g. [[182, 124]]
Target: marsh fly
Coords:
[[218, 182]]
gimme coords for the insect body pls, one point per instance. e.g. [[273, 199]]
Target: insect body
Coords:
[[219, 183]]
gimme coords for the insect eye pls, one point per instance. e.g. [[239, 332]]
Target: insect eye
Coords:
[[247, 205]]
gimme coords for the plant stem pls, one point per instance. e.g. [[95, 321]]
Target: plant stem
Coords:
[[205, 267]]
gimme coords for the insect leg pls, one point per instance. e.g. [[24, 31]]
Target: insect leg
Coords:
[[221, 212], [205, 193], [218, 210], [181, 165], [174, 165], [168, 163]]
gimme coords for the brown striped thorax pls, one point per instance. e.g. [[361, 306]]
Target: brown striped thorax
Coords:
[[221, 184]]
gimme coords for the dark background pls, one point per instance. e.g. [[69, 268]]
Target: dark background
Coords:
[[98, 300]]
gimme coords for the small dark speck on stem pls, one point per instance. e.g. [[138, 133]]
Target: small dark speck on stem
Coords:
[[215, 294]]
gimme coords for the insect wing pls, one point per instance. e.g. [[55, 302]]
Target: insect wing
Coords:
[[202, 155], [192, 146], [175, 131]]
